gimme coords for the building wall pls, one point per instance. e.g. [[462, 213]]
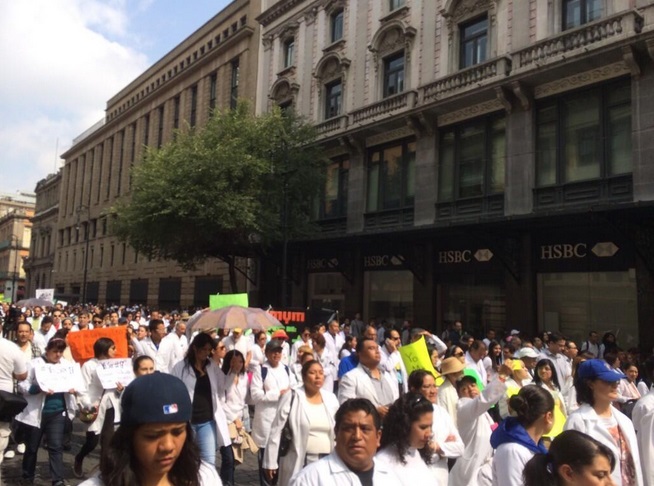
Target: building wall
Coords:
[[15, 230], [97, 168]]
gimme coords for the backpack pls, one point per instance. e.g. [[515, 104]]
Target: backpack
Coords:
[[264, 372]]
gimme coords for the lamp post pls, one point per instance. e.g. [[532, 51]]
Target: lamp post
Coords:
[[14, 294], [80, 210]]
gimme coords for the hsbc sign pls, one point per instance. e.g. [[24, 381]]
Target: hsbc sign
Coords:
[[481, 255]]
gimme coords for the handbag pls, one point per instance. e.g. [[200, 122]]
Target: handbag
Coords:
[[287, 434], [11, 405]]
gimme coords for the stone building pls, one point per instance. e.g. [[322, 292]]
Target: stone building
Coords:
[[212, 68], [15, 229], [492, 161]]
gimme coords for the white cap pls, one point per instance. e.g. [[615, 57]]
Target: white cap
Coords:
[[526, 353], [514, 332]]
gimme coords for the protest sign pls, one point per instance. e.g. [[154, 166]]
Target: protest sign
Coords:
[[45, 294], [113, 371], [416, 357], [60, 377], [219, 301], [81, 342]]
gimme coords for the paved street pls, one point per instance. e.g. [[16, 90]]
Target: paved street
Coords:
[[246, 474]]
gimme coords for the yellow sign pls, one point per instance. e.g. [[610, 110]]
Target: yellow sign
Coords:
[[416, 357]]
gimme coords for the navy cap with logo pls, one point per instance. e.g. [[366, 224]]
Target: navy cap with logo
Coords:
[[598, 369], [155, 398]]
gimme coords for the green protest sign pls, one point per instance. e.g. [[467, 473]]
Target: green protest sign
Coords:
[[219, 301]]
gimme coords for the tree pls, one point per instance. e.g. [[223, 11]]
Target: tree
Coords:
[[220, 190]]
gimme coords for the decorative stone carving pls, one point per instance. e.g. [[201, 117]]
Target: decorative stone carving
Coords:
[[283, 91], [392, 37], [470, 112], [457, 11], [582, 79], [389, 136]]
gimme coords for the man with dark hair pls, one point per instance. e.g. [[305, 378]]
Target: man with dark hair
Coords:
[[475, 359], [150, 345], [358, 434], [554, 353], [593, 346], [643, 418], [44, 333]]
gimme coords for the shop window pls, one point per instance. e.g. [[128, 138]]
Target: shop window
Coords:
[[393, 75], [580, 12], [391, 177], [333, 99], [333, 202], [336, 26], [289, 52], [473, 42], [472, 159], [584, 136]]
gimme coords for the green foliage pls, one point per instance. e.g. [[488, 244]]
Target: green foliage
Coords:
[[218, 190]]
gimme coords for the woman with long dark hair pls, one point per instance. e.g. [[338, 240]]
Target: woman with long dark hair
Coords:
[[545, 376], [236, 391], [205, 383], [154, 443], [573, 459], [406, 440], [518, 438], [45, 413]]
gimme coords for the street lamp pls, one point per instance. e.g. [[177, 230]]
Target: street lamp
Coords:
[[80, 210]]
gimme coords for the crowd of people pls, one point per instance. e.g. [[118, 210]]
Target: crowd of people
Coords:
[[339, 405]]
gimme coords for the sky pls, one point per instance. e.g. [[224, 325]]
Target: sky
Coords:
[[61, 60]]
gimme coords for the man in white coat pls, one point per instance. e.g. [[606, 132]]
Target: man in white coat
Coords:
[[353, 462], [643, 418], [368, 380], [475, 426]]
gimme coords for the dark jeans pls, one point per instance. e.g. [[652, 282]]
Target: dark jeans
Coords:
[[227, 465], [89, 445], [262, 477], [52, 425]]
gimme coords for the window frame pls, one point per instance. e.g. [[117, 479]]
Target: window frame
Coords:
[[329, 96], [343, 168], [583, 13], [393, 5], [408, 156], [336, 21], [234, 82], [288, 52], [388, 73], [463, 41]]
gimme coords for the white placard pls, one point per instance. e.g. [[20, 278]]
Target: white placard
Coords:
[[60, 377], [45, 294], [113, 371]]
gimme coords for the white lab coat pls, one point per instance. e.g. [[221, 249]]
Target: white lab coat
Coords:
[[586, 420], [357, 384], [300, 426], [475, 429], [509, 462], [172, 350], [448, 399], [642, 417], [415, 471], [393, 361], [329, 366], [217, 380], [442, 427], [265, 396], [332, 471], [31, 414]]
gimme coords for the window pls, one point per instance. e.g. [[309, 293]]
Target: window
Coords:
[[194, 105], [233, 98], [146, 130], [472, 159], [474, 42], [584, 136], [579, 12], [333, 203], [289, 48], [395, 4], [121, 157], [336, 26], [176, 103], [213, 90], [333, 97], [161, 127], [391, 177], [110, 171], [394, 75]]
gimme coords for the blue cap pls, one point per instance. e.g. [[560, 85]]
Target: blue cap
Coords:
[[598, 369], [155, 398]]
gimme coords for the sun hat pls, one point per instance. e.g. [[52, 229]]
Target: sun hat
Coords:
[[155, 398], [279, 334], [451, 365]]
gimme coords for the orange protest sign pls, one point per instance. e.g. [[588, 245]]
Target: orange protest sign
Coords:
[[81, 342]]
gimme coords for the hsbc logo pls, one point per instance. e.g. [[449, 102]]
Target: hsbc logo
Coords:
[[482, 255]]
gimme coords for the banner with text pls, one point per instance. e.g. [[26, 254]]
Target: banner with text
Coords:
[[58, 378], [114, 371]]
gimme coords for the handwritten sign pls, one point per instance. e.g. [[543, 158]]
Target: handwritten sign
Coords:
[[45, 294], [113, 371], [219, 301], [81, 342], [416, 357], [59, 378]]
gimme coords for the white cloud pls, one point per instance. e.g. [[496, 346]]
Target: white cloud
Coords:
[[62, 60]]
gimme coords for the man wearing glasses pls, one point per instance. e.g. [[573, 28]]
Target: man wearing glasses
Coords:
[[392, 360]]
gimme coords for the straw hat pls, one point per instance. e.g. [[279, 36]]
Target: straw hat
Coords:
[[451, 365]]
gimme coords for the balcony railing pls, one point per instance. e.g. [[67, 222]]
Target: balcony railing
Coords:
[[406, 100], [579, 40], [332, 125], [467, 79]]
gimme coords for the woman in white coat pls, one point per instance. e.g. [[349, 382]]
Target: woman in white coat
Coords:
[[205, 383], [596, 384], [446, 441], [45, 414], [310, 411]]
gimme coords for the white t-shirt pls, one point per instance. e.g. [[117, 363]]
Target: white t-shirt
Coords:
[[12, 360]]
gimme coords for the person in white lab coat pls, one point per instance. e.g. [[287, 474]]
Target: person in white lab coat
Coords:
[[573, 459], [353, 462], [596, 384], [446, 441], [518, 438], [309, 411], [451, 370], [475, 425], [642, 417]]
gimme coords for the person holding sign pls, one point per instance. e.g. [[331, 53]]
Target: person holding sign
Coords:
[[89, 401], [46, 410]]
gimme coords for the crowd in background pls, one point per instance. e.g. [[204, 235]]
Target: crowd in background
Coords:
[[338, 402]]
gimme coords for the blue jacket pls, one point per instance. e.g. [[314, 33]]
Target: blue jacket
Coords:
[[510, 430]]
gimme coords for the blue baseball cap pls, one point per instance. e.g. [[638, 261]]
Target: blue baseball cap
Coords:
[[598, 369], [155, 398]]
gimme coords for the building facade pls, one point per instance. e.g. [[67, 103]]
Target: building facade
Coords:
[[210, 70], [491, 161], [15, 230]]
